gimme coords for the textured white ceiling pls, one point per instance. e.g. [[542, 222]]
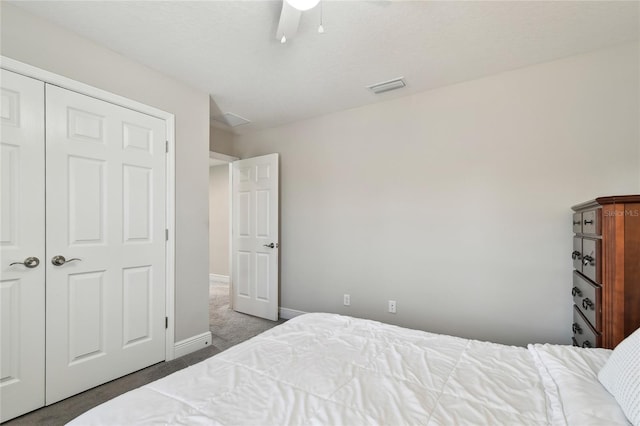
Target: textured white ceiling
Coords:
[[228, 48]]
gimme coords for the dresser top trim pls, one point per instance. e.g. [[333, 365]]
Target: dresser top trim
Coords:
[[601, 201]]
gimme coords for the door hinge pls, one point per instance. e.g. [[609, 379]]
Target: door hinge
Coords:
[[166, 322], [166, 146], [166, 235]]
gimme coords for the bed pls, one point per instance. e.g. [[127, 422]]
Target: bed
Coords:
[[327, 369]]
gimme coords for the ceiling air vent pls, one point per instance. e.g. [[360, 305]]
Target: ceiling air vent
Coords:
[[385, 86], [230, 119]]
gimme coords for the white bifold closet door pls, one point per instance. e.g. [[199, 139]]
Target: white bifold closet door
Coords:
[[85, 196], [105, 179], [22, 255]]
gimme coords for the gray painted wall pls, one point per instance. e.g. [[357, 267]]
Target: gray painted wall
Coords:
[[456, 202], [40, 43], [220, 141], [219, 220]]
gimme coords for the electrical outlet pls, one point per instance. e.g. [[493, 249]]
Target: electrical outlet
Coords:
[[347, 300], [392, 306]]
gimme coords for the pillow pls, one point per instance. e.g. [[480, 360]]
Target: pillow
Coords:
[[621, 376]]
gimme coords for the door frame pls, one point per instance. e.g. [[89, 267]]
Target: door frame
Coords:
[[169, 119]]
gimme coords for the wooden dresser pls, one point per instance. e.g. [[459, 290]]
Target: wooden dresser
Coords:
[[606, 276]]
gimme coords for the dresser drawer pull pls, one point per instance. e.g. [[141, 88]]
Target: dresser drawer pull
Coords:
[[587, 344], [576, 291], [587, 303], [588, 222], [576, 222], [576, 328], [587, 260], [576, 255]]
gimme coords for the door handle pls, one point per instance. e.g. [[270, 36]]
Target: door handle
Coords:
[[29, 262], [60, 260], [276, 245]]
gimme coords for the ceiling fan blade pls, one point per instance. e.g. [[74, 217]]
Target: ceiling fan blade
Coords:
[[289, 20]]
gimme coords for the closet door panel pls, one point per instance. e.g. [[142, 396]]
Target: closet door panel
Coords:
[[105, 208], [22, 233]]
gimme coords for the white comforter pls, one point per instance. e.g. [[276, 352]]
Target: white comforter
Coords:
[[325, 369]]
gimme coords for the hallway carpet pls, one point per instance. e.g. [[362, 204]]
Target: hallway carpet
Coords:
[[227, 327]]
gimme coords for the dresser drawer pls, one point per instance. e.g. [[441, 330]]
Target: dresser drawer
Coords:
[[591, 222], [576, 255], [583, 334], [577, 223], [591, 259], [586, 297]]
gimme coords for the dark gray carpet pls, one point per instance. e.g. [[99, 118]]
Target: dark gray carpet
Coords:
[[227, 327]]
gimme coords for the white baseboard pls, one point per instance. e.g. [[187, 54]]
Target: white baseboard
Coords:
[[286, 313], [219, 278], [191, 344]]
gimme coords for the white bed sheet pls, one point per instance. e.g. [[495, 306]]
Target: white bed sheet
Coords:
[[327, 369], [571, 376]]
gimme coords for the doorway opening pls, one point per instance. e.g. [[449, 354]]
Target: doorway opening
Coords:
[[219, 233], [227, 326]]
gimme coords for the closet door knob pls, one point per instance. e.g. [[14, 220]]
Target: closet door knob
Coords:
[[587, 260], [60, 260], [29, 262], [576, 254]]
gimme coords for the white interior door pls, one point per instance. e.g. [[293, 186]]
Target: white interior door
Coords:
[[22, 286], [105, 242], [254, 229]]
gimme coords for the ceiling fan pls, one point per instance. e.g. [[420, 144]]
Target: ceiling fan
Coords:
[[290, 17]]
